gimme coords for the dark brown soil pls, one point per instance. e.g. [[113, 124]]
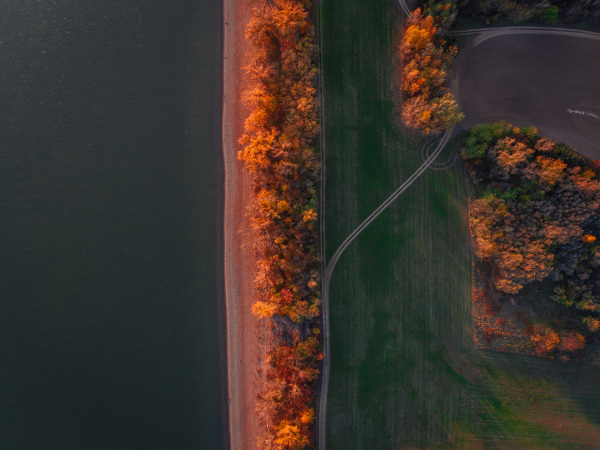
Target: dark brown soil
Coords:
[[550, 80]]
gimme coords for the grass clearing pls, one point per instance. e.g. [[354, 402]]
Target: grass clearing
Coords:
[[403, 368]]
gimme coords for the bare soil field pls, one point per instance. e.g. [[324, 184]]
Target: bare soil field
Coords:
[[548, 79]]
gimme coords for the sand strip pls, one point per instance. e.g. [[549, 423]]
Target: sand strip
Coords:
[[247, 339]]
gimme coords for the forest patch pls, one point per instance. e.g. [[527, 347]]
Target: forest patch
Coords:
[[535, 219]]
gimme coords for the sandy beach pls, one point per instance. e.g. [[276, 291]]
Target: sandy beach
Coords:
[[247, 338]]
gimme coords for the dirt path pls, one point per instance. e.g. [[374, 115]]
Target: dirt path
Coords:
[[404, 7], [247, 338], [324, 379], [429, 162], [322, 407], [327, 267], [520, 30]]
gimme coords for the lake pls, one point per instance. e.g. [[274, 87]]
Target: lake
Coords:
[[111, 303]]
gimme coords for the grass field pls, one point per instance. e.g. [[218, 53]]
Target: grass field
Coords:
[[403, 369]]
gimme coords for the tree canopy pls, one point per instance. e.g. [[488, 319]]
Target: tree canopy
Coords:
[[536, 215], [428, 106]]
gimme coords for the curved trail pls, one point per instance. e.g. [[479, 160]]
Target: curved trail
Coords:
[[521, 30], [404, 7], [322, 407], [443, 165], [383, 206], [428, 163]]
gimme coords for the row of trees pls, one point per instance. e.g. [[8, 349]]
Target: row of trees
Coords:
[[513, 11], [536, 216], [516, 11], [286, 405], [444, 12], [428, 106], [279, 151], [580, 11]]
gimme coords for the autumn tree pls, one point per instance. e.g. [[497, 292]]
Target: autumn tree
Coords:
[[289, 436], [536, 216], [444, 12], [550, 171], [545, 339], [428, 105], [512, 156], [279, 150], [571, 341]]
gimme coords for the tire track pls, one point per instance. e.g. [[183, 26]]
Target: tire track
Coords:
[[521, 30], [322, 406], [428, 163], [404, 7]]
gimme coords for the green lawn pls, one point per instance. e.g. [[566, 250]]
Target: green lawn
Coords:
[[403, 369]]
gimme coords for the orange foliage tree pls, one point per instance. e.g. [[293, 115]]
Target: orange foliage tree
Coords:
[[428, 106], [279, 151], [536, 216], [285, 406]]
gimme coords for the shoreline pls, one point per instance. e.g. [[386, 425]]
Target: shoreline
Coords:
[[247, 338]]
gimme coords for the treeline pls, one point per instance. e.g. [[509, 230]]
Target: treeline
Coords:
[[444, 13], [428, 106], [535, 217], [279, 151], [285, 407], [545, 12], [580, 11], [515, 11]]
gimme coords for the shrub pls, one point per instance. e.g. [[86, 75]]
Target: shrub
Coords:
[[549, 15], [482, 136]]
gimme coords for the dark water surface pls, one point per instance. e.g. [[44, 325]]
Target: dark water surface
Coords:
[[111, 283]]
